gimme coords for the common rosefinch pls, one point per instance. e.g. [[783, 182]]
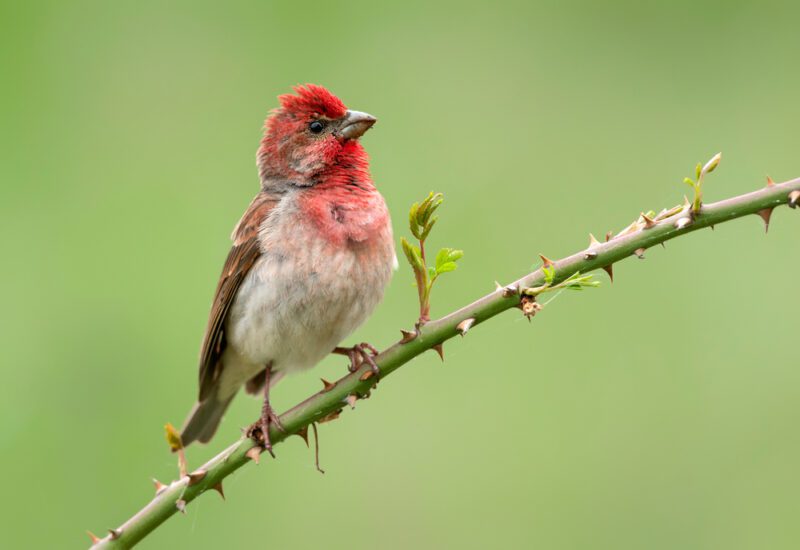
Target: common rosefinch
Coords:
[[310, 259]]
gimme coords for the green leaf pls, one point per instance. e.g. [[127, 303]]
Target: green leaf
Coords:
[[446, 259], [436, 201], [549, 274], [576, 281], [428, 207], [428, 228], [455, 255], [420, 213], [445, 267], [689, 182], [413, 255], [698, 170], [442, 256], [580, 285], [424, 212], [412, 220], [712, 163]]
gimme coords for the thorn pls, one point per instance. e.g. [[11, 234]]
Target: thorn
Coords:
[[159, 486], [794, 198], [351, 400], [464, 326], [407, 336], [218, 488], [497, 286], [180, 504], [95, 538], [682, 222], [439, 348], [303, 432], [510, 290], [664, 246], [547, 262], [327, 386], [712, 226], [254, 454], [610, 270], [366, 376], [608, 235], [196, 477], [639, 252], [686, 203], [632, 228], [115, 533], [770, 183], [766, 214], [330, 416], [648, 222], [590, 254]]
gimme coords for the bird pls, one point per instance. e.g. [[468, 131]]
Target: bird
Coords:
[[311, 258]]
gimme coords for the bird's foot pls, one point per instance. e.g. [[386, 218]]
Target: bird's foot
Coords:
[[360, 354], [259, 430]]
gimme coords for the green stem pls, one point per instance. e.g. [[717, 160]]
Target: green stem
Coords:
[[432, 333], [424, 287]]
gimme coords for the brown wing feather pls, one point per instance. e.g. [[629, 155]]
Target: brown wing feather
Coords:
[[243, 255]]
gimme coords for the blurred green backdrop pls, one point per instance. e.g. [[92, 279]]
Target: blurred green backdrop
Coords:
[[660, 412]]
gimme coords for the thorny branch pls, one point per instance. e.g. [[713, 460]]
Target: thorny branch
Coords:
[[646, 231]]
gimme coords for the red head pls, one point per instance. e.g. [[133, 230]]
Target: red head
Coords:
[[311, 134]]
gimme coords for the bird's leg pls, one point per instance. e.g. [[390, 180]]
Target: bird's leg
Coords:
[[350, 353], [358, 354], [268, 417]]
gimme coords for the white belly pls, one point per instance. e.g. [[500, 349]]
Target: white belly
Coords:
[[297, 304]]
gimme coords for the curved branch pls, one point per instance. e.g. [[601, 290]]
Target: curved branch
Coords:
[[643, 234]]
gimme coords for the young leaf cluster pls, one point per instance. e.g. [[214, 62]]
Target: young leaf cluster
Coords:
[[421, 220], [697, 185], [576, 281]]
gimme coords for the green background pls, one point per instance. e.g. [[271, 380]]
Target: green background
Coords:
[[660, 412]]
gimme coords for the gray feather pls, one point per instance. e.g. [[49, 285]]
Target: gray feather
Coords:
[[204, 419]]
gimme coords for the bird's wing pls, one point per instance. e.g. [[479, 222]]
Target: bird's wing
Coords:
[[246, 250]]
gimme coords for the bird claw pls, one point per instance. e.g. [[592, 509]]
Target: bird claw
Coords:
[[360, 354], [259, 430]]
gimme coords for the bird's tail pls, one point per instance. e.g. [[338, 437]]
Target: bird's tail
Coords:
[[204, 419]]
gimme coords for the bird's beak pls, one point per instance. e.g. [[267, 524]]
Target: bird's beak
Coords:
[[355, 123]]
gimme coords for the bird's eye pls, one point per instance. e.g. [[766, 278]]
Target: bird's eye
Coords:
[[316, 127]]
